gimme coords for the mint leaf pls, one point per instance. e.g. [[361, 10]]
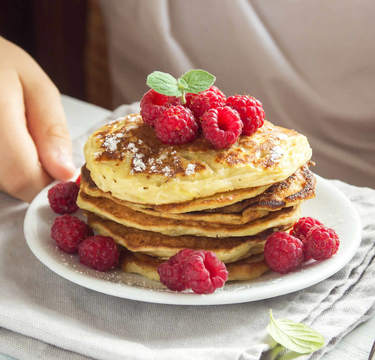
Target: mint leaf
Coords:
[[198, 80], [295, 336], [182, 84], [163, 83], [194, 81]]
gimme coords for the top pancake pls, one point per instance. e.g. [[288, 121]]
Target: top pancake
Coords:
[[125, 158]]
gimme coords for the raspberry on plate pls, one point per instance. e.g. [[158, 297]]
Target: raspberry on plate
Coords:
[[211, 98], [154, 104], [78, 180], [283, 252], [301, 228], [68, 232], [63, 196], [221, 126], [321, 242], [199, 270], [203, 272], [176, 126], [250, 110], [99, 252], [170, 271]]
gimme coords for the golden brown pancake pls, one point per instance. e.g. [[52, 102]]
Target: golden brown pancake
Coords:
[[109, 209], [199, 204], [246, 269], [227, 249], [127, 159], [298, 187]]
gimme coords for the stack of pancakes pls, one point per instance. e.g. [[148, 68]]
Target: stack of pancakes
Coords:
[[155, 199]]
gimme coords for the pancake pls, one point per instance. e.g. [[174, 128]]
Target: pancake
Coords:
[[126, 159], [228, 249], [246, 269], [210, 202], [298, 187], [109, 209]]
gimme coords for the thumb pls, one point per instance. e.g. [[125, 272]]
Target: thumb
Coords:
[[46, 122], [45, 118]]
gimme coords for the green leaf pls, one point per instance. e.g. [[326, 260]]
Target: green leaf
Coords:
[[182, 84], [163, 83], [295, 336], [198, 80]]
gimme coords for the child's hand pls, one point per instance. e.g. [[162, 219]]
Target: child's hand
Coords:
[[35, 146]]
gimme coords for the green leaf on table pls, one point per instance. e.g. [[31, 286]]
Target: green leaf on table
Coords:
[[163, 83], [198, 80], [294, 336]]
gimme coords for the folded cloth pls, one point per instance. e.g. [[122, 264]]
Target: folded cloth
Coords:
[[45, 316]]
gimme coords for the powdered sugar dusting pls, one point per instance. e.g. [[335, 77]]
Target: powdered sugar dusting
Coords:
[[138, 164], [276, 153], [111, 140], [131, 147], [190, 169], [167, 171]]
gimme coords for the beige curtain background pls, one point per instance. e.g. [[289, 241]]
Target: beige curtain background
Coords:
[[311, 63]]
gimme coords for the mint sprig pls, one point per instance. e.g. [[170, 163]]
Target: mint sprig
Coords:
[[294, 336], [193, 81]]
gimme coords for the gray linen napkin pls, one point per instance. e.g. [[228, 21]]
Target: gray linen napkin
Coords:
[[43, 316]]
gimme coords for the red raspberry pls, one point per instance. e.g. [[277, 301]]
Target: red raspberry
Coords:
[[176, 126], [154, 104], [283, 252], [250, 110], [170, 271], [68, 232], [78, 180], [99, 252], [321, 242], [211, 98], [201, 271], [221, 126], [63, 196], [301, 228]]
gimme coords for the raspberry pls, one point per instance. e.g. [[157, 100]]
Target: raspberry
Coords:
[[78, 180], [321, 242], [283, 252], [250, 110], [221, 126], [205, 100], [170, 271], [154, 104], [68, 232], [201, 271], [301, 228], [176, 126], [99, 252], [63, 196]]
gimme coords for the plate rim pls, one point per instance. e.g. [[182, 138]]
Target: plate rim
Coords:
[[219, 297]]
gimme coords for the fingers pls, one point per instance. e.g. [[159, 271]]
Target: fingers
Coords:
[[21, 174], [46, 121]]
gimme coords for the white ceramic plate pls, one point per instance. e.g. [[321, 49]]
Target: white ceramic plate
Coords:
[[329, 206]]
